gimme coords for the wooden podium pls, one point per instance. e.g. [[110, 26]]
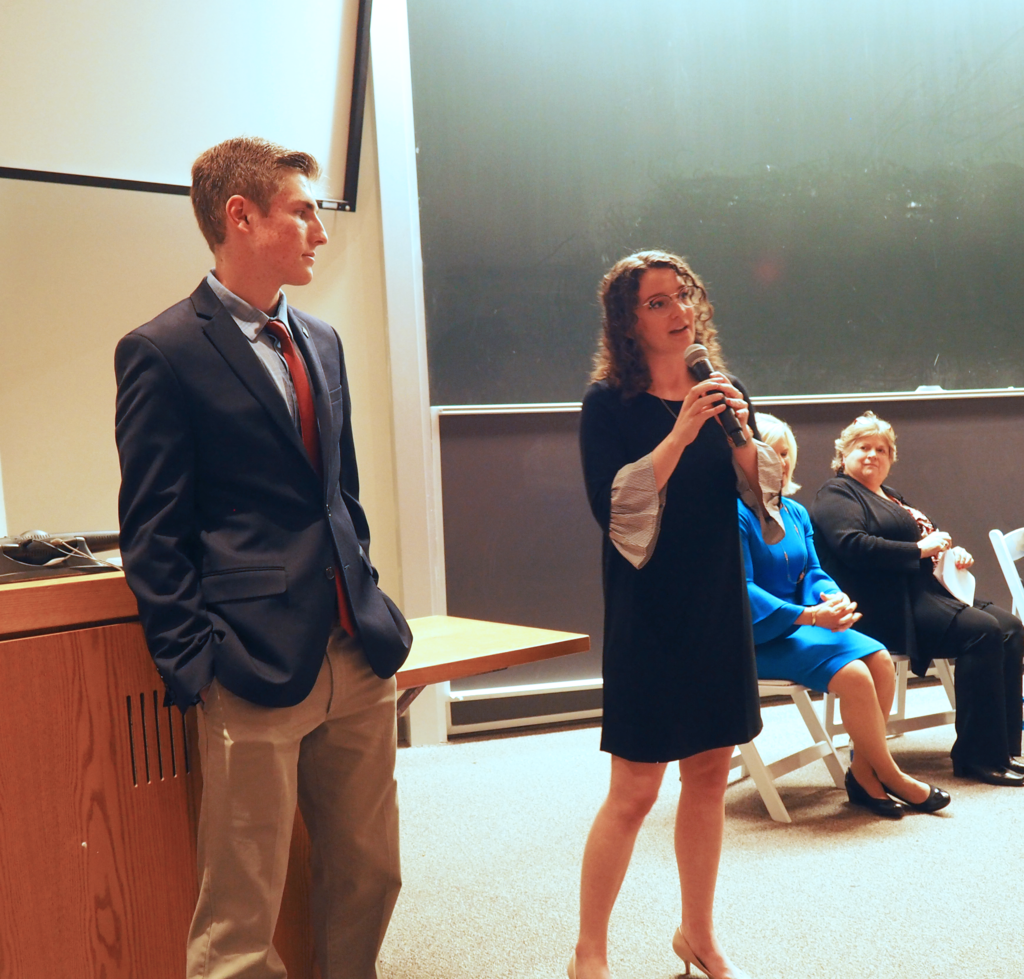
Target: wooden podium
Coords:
[[97, 803], [100, 786]]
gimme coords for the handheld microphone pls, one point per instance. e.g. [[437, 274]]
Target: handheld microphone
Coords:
[[700, 367]]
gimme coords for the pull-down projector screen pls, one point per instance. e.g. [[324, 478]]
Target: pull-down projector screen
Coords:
[[136, 89]]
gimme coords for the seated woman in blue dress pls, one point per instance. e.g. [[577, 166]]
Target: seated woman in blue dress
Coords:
[[802, 634]]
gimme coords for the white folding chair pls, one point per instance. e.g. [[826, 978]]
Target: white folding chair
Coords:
[[898, 723], [749, 758], [1009, 549]]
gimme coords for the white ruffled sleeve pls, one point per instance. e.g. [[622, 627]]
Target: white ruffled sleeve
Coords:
[[636, 509], [769, 475]]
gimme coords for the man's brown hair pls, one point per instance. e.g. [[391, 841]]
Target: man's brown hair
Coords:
[[248, 166]]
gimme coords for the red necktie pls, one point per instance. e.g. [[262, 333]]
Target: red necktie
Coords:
[[310, 436]]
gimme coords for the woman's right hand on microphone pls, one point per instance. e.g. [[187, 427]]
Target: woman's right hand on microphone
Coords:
[[700, 404], [697, 407]]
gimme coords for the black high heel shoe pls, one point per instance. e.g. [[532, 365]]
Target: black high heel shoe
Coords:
[[886, 808], [937, 799]]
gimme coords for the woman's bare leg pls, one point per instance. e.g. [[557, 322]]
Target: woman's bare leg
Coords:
[[700, 822], [634, 789], [883, 671], [872, 764]]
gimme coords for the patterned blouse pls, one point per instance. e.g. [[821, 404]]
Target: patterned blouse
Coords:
[[926, 526]]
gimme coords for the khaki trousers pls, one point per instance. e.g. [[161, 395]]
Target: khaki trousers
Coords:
[[335, 754]]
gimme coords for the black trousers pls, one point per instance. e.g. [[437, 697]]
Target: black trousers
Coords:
[[988, 647]]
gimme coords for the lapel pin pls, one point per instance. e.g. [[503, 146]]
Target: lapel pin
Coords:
[[305, 332]]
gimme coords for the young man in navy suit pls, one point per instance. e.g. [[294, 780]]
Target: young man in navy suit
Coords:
[[245, 544]]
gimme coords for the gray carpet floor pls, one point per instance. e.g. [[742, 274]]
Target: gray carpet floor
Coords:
[[493, 834]]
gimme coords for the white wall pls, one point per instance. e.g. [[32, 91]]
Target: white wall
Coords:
[[3, 512], [80, 267]]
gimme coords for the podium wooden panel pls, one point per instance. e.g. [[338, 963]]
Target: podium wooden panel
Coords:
[[97, 810], [100, 784]]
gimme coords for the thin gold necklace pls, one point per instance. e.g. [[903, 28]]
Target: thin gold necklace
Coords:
[[785, 553], [674, 414]]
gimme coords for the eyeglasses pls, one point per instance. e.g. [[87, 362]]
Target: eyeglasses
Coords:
[[662, 305]]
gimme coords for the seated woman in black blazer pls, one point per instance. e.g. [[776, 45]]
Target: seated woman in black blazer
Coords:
[[882, 552]]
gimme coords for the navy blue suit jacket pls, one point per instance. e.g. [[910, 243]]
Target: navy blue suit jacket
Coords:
[[229, 537]]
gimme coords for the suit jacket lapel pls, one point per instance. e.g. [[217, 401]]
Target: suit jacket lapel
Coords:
[[321, 398], [231, 343]]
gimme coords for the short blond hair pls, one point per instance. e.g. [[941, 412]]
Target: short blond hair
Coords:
[[774, 430], [247, 166], [867, 424]]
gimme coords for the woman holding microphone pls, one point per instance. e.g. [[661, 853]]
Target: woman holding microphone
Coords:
[[680, 682]]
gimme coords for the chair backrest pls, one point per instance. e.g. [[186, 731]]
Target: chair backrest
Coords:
[[1009, 548]]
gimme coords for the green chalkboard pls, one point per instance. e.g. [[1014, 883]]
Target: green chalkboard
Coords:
[[848, 178]]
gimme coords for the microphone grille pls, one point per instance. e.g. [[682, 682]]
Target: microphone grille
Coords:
[[694, 353]]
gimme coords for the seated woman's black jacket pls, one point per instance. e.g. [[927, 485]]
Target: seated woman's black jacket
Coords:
[[869, 546]]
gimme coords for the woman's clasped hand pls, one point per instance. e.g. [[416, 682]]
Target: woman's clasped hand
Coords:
[[835, 612], [935, 543]]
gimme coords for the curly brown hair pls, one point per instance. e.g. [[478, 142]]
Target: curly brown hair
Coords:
[[245, 165], [619, 359]]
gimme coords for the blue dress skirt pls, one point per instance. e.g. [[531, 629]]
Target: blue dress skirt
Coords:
[[782, 580]]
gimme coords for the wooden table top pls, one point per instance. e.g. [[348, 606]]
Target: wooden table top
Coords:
[[445, 647]]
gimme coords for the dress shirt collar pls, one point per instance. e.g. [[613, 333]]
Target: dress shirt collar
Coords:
[[250, 320]]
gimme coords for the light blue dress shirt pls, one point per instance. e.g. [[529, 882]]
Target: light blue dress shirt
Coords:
[[251, 322]]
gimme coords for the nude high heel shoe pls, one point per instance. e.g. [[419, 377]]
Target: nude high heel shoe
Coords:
[[570, 969], [682, 948]]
